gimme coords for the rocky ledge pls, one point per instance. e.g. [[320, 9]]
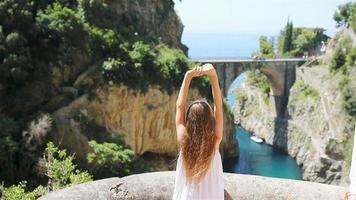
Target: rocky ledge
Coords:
[[160, 185]]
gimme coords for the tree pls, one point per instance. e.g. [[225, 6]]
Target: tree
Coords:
[[266, 47], [305, 41], [344, 13], [287, 44]]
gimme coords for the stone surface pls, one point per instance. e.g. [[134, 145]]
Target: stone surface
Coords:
[[160, 185]]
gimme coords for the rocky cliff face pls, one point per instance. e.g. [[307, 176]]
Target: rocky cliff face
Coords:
[[145, 120], [306, 135], [317, 127], [155, 18]]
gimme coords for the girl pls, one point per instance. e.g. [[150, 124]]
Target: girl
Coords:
[[199, 173]]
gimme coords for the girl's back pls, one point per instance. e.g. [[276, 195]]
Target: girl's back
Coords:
[[199, 173], [210, 187]]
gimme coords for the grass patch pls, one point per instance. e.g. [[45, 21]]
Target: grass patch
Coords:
[[259, 80], [306, 90]]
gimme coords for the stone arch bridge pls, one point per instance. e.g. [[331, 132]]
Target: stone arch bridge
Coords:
[[281, 74]]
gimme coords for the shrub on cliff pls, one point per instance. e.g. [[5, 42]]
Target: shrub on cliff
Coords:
[[306, 90], [343, 57], [109, 155], [61, 173], [135, 69], [173, 65], [147, 64], [108, 159], [17, 192], [260, 81], [349, 96], [60, 169]]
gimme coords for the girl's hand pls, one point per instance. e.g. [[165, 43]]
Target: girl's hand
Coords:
[[209, 70], [195, 72]]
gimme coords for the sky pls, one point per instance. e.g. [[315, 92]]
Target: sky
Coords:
[[266, 17]]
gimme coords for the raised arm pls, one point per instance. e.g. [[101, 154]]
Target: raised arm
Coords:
[[182, 100], [209, 70]]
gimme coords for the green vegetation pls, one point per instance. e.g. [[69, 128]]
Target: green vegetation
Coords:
[[298, 41], [241, 97], [287, 38], [346, 14], [306, 90], [227, 108], [259, 80], [266, 47], [343, 58], [109, 155], [38, 36], [17, 192], [110, 158], [348, 147], [46, 45], [349, 96], [60, 170], [8, 147], [305, 40], [343, 61], [149, 64], [293, 41]]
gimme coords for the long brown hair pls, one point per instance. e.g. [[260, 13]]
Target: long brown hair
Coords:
[[198, 144]]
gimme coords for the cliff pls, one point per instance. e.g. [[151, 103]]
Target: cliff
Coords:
[[155, 18], [318, 127], [145, 120], [160, 185], [76, 71]]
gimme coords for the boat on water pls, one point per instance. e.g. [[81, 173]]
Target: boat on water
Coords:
[[256, 139]]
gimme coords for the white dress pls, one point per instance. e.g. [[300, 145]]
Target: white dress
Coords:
[[210, 187]]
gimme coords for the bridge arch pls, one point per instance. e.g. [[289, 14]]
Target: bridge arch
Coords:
[[279, 72]]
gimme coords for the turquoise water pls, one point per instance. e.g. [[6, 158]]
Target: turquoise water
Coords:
[[258, 159], [261, 159]]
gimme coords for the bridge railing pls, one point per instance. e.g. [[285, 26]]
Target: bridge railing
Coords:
[[247, 60]]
